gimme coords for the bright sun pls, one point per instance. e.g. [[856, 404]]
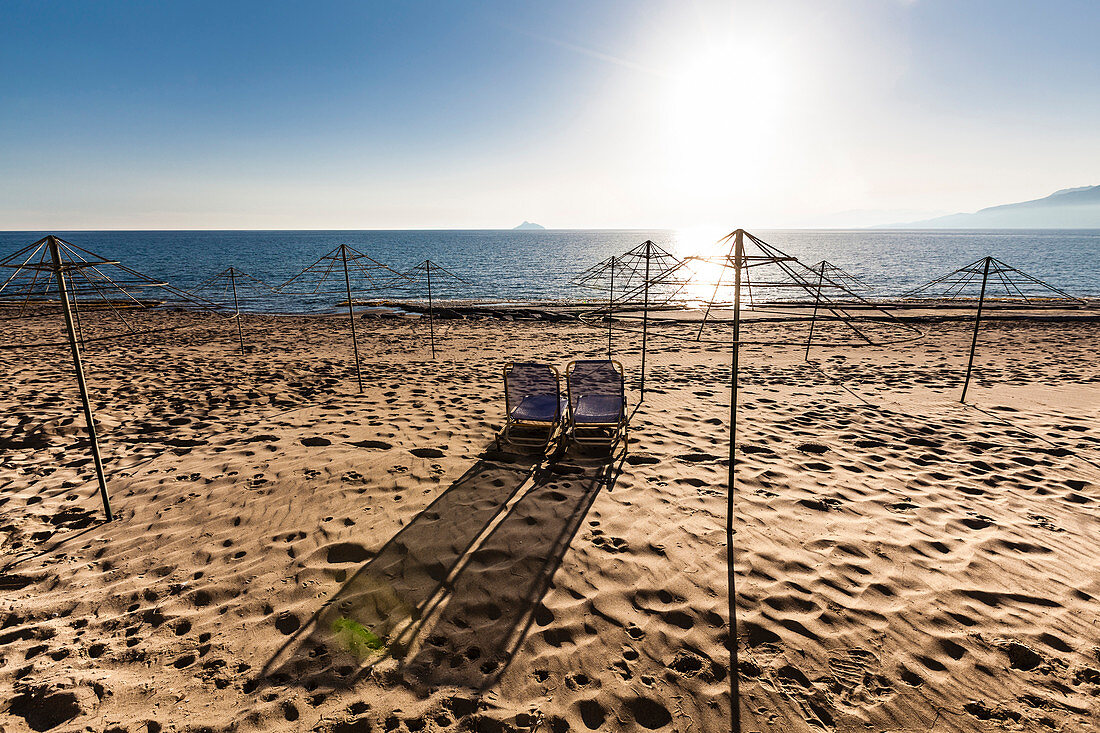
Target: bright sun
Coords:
[[722, 118]]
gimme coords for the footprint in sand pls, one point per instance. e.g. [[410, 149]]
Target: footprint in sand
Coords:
[[592, 713], [649, 713], [427, 452], [287, 623], [687, 664], [982, 712], [1021, 656], [910, 677], [43, 708], [757, 635], [977, 521], [696, 457], [73, 518], [346, 552], [185, 661], [577, 681], [610, 544], [821, 505], [375, 444]]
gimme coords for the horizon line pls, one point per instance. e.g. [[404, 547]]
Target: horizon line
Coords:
[[873, 227]]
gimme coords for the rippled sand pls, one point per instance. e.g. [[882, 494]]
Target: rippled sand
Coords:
[[289, 554]]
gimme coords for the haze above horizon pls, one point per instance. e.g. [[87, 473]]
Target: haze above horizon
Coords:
[[587, 115]]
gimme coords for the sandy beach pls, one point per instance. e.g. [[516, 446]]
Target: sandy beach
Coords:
[[289, 554]]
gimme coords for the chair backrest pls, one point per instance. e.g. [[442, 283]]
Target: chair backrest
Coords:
[[529, 379], [598, 377]]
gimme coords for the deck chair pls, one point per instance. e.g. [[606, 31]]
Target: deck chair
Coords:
[[597, 402], [532, 404]]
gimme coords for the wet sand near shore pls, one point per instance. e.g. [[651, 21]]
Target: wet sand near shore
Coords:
[[289, 554]]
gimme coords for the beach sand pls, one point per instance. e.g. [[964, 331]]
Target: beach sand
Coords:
[[289, 554]]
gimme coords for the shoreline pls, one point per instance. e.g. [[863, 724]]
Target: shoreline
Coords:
[[1087, 309]]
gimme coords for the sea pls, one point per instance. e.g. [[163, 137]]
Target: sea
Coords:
[[506, 266]]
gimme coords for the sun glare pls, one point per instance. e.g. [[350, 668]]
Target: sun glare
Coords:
[[722, 118], [705, 273]]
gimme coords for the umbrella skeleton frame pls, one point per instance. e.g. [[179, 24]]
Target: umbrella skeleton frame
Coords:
[[52, 263], [349, 259]]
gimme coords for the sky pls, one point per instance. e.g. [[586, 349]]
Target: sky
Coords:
[[589, 114]]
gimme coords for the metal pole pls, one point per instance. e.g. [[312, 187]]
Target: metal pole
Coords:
[[76, 313], [645, 316], [735, 682], [80, 378], [431, 314], [236, 306], [610, 307], [817, 301], [351, 316], [977, 321]]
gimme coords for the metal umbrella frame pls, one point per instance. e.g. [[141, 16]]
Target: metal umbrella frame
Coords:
[[55, 273], [1017, 289], [638, 272], [94, 282], [787, 274], [605, 269], [370, 273], [837, 275], [224, 284], [800, 284], [423, 272]]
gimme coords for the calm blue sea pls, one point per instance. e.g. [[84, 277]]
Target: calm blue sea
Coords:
[[524, 265]]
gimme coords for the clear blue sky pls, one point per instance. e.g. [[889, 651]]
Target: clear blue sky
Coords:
[[572, 114]]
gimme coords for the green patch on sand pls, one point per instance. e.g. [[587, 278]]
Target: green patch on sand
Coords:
[[355, 637]]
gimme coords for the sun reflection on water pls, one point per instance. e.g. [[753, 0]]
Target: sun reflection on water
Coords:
[[708, 274]]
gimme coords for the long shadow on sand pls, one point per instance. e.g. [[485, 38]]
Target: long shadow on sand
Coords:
[[472, 633], [449, 597]]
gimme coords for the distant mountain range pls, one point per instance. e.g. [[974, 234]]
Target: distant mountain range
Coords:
[[1070, 208], [528, 225]]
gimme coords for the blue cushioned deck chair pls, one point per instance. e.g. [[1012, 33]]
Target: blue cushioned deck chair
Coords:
[[532, 403], [597, 402]]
